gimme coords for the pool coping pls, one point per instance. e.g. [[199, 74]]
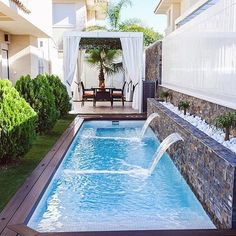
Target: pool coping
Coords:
[[20, 207]]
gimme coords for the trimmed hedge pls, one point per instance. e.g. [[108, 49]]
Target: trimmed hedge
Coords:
[[40, 96], [62, 98], [17, 123]]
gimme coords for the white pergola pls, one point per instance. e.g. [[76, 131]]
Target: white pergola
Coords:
[[132, 49]]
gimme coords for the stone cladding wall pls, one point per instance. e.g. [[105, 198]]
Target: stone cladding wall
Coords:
[[154, 62], [207, 166]]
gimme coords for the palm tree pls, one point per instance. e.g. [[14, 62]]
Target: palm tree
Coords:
[[114, 13], [103, 59]]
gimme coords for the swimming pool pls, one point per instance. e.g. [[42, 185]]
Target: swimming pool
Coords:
[[100, 185]]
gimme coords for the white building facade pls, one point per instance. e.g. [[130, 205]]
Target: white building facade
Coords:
[[31, 33], [22, 23], [199, 49], [72, 15]]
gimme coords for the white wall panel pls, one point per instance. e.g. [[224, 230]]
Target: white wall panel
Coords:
[[199, 58]]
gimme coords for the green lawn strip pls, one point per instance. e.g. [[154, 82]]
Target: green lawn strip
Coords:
[[13, 177]]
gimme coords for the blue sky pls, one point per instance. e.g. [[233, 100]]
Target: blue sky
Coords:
[[144, 9]]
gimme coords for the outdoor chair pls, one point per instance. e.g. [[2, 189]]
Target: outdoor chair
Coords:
[[118, 94], [87, 94]]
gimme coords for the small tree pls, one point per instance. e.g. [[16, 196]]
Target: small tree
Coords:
[[17, 123], [62, 99], [183, 105], [226, 121], [165, 94], [39, 94]]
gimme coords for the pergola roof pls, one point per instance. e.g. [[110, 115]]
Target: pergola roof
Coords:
[[108, 43], [102, 39]]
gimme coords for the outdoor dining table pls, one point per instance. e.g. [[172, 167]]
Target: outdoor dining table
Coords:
[[102, 94]]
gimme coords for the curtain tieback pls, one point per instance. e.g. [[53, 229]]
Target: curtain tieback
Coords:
[[78, 84], [134, 87], [128, 85]]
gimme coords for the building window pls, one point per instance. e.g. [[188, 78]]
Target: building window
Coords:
[[197, 12], [169, 18], [64, 15], [5, 64], [40, 44], [41, 66]]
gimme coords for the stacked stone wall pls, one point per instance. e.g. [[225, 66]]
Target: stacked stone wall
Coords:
[[207, 166], [154, 62]]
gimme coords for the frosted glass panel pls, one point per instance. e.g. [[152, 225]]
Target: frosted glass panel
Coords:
[[64, 14], [199, 58], [5, 69]]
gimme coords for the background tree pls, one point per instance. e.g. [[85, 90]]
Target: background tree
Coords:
[[149, 35], [114, 11]]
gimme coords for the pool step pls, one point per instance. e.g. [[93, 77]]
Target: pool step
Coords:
[[115, 122], [23, 230]]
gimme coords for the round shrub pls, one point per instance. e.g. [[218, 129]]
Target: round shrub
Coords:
[[40, 96], [62, 98], [17, 123]]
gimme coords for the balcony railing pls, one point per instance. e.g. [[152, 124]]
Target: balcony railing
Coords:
[[100, 1], [23, 5], [168, 30], [96, 2]]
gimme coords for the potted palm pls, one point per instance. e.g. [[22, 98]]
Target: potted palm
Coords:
[[226, 121], [103, 60], [165, 94], [183, 105]]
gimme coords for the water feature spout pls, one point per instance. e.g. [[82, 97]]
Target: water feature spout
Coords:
[[147, 123], [166, 143]]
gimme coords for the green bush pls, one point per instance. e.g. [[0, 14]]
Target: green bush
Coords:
[[17, 123], [62, 98], [40, 96]]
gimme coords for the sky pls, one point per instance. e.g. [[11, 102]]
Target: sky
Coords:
[[144, 10]]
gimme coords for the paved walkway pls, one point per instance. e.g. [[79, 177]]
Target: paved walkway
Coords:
[[102, 108]]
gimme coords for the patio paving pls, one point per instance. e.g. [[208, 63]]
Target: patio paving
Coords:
[[102, 108]]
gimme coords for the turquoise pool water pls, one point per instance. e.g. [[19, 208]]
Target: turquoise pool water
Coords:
[[99, 185]]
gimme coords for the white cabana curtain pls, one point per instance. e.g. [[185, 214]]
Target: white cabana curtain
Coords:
[[128, 86], [132, 58], [79, 73], [71, 53]]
